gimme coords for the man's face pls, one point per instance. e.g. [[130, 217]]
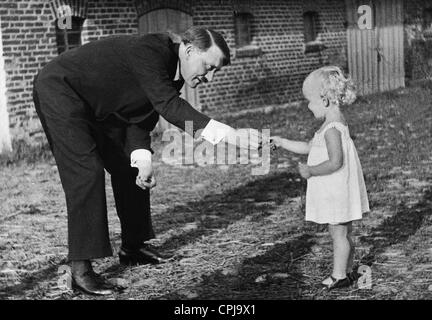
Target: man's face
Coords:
[[200, 66]]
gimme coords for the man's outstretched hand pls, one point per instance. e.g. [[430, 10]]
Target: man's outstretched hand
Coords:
[[145, 178], [253, 137], [243, 138]]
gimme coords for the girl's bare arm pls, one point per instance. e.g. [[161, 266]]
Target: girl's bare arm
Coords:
[[300, 147]]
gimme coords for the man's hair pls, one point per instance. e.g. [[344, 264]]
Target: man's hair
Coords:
[[204, 38]]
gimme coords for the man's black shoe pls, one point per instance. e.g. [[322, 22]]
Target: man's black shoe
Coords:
[[152, 249], [146, 254], [92, 283]]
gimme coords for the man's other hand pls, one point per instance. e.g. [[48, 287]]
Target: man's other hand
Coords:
[[145, 178]]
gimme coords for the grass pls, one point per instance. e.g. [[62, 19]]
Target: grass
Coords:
[[239, 236]]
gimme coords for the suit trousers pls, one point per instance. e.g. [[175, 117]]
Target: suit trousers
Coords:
[[83, 148]]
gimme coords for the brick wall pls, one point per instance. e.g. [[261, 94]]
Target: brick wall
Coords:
[[29, 42], [276, 76], [273, 77], [110, 17], [418, 41]]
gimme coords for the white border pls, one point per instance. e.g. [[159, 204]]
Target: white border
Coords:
[[5, 138]]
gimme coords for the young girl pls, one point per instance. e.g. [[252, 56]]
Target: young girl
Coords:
[[336, 192]]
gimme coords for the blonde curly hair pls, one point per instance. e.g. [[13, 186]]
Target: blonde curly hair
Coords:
[[333, 85]]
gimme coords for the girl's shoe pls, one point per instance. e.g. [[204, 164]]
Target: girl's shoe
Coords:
[[338, 283]]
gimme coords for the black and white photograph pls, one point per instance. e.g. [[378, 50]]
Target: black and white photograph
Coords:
[[222, 150]]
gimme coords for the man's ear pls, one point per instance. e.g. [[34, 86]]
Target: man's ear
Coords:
[[189, 49]]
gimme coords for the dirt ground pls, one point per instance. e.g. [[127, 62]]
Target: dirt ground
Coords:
[[239, 236]]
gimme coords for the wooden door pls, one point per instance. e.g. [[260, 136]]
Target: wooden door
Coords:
[[376, 55], [169, 20]]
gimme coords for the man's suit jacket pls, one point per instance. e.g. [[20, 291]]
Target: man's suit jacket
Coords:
[[130, 78]]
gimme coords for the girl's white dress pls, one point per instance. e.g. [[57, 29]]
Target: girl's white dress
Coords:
[[341, 196]]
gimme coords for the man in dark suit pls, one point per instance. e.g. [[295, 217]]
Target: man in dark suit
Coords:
[[98, 104]]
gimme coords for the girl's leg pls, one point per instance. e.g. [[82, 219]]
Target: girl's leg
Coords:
[[341, 251], [352, 248]]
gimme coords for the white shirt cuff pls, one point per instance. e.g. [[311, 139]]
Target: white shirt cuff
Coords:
[[140, 155], [215, 131]]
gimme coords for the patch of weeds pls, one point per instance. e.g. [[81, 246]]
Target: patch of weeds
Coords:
[[23, 152]]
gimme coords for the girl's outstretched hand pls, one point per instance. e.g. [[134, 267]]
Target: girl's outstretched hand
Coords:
[[304, 170]]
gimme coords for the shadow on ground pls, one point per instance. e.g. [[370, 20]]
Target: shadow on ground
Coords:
[[255, 199], [214, 212], [31, 282], [398, 228], [282, 278]]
